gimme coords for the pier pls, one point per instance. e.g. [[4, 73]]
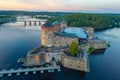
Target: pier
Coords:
[[26, 71]]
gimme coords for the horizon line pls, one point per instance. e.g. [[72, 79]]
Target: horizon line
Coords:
[[72, 11]]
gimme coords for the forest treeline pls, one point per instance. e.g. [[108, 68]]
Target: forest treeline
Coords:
[[97, 21]]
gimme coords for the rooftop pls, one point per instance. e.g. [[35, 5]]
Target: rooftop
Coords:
[[66, 35], [77, 31], [47, 24], [56, 22]]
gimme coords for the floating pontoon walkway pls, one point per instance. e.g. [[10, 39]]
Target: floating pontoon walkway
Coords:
[[27, 70]]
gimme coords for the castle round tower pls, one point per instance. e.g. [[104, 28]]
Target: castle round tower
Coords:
[[63, 24], [57, 26], [47, 34]]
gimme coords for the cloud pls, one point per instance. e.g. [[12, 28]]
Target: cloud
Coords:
[[31, 1], [61, 5], [42, 2], [106, 9], [16, 5]]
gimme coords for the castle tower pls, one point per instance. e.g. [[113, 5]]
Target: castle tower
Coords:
[[63, 24], [47, 34], [57, 26]]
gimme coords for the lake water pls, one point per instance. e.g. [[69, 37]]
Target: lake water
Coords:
[[15, 42]]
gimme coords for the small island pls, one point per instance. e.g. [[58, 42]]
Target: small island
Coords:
[[66, 46]]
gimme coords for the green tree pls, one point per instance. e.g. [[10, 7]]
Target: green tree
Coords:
[[97, 21], [73, 49]]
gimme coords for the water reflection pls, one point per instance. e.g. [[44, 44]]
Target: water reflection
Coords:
[[15, 42]]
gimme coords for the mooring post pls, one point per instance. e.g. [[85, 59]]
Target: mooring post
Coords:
[[41, 71], [1, 75], [18, 74], [26, 73], [52, 70], [34, 72], [10, 74], [58, 70]]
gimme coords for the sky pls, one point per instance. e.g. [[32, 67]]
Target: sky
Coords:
[[107, 6]]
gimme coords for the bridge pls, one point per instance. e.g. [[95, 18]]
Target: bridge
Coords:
[[28, 21], [26, 71], [31, 21], [7, 20]]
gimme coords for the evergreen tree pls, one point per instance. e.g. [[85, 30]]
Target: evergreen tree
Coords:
[[73, 49]]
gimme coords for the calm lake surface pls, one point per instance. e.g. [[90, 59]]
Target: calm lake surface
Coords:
[[15, 42]]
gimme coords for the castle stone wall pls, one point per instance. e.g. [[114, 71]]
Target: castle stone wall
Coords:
[[89, 31], [74, 63], [63, 41], [97, 44]]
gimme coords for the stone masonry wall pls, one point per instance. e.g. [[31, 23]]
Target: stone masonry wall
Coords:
[[98, 44], [89, 31], [63, 41], [74, 63]]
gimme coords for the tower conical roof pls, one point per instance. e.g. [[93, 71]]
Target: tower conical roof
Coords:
[[56, 22], [47, 24]]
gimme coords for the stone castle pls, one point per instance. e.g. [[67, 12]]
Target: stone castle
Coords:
[[52, 35], [56, 39]]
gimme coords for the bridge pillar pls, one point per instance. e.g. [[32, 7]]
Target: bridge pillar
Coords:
[[41, 71], [10, 74], [26, 73], [35, 23], [1, 75], [50, 70], [34, 72], [39, 23], [58, 70], [25, 23], [30, 23], [18, 74]]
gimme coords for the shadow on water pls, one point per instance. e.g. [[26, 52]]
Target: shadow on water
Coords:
[[73, 72], [68, 74], [98, 52]]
